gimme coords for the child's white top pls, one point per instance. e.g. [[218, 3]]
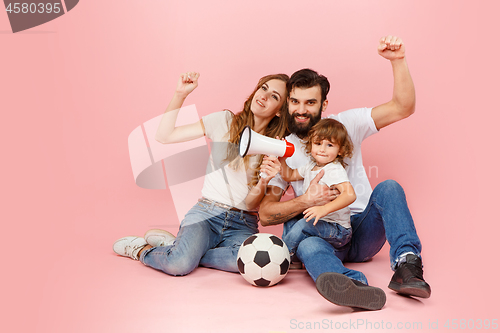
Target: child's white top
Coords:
[[334, 174]]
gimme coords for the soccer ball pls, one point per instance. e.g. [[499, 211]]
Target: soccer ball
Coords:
[[263, 260]]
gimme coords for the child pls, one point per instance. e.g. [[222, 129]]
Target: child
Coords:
[[328, 144]]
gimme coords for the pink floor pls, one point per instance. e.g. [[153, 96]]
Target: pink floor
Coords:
[[77, 284]]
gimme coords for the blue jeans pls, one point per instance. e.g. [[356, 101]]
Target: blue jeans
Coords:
[[385, 217], [299, 229], [209, 236]]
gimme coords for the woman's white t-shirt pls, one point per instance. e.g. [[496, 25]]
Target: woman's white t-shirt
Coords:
[[222, 182]]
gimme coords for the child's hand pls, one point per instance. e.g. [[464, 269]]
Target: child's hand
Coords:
[[315, 212]]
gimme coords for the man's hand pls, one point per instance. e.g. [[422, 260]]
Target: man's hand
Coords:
[[391, 48], [319, 195]]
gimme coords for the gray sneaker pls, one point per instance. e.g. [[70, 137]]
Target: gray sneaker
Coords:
[[341, 290]]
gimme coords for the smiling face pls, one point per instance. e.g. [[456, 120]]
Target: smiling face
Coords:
[[304, 109], [329, 141], [268, 99], [324, 151]]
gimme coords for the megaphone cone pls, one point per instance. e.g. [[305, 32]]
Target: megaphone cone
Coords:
[[252, 143]]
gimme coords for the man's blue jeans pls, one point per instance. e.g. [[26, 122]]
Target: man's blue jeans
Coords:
[[386, 217], [209, 236]]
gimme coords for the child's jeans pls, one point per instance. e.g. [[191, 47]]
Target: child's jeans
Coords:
[[333, 233]]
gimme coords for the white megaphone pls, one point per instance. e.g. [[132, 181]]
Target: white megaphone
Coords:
[[252, 143]]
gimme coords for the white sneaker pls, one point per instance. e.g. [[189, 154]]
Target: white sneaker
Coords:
[[129, 246], [158, 237]]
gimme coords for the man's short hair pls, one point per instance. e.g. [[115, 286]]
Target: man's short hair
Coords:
[[307, 78]]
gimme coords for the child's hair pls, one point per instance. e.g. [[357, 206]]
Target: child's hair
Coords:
[[331, 130]]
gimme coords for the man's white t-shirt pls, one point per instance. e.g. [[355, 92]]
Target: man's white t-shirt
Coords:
[[334, 174], [360, 125]]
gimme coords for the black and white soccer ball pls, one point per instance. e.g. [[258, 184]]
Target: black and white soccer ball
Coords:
[[263, 260]]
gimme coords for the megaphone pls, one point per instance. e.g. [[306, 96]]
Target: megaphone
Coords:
[[252, 143]]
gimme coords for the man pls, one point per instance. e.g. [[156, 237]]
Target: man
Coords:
[[376, 215]]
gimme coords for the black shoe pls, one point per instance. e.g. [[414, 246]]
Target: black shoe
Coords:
[[341, 290], [295, 263], [408, 279]]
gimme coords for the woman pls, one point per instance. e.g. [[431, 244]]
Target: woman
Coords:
[[213, 230]]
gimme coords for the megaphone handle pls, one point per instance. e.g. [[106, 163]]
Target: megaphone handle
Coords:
[[263, 174]]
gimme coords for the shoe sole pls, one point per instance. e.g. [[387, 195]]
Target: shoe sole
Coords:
[[339, 289], [410, 291]]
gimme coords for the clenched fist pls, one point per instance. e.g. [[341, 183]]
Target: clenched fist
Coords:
[[391, 48], [187, 83]]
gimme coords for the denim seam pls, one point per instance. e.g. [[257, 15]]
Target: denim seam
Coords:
[[365, 214], [380, 209], [394, 262]]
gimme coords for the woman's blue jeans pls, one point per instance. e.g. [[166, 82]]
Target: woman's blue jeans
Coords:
[[386, 217], [209, 236]]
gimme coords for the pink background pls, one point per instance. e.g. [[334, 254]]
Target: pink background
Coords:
[[73, 89]]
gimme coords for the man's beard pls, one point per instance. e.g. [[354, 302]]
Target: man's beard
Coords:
[[301, 130]]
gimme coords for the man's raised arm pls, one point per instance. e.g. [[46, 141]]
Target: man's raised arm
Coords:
[[402, 104]]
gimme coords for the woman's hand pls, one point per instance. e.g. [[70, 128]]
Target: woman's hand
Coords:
[[270, 166], [187, 83]]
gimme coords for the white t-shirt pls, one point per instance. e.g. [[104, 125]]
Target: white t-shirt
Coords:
[[222, 182], [334, 174], [360, 125]]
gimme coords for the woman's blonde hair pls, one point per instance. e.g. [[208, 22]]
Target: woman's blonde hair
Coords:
[[276, 127], [333, 131]]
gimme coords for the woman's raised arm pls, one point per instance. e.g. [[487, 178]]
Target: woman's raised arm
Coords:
[[167, 131]]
